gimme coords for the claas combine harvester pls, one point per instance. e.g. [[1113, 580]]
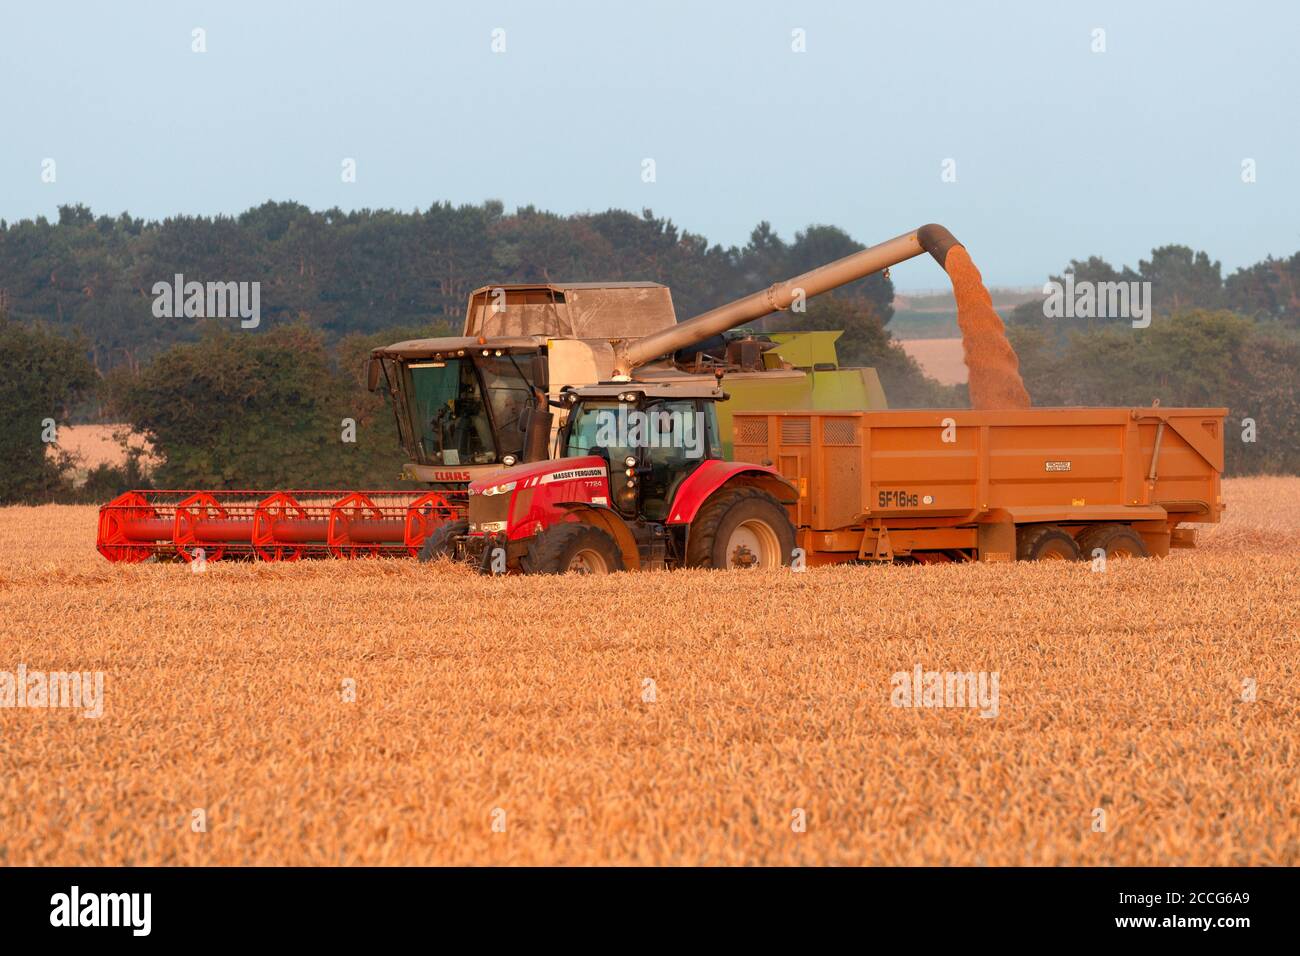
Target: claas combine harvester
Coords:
[[481, 416]]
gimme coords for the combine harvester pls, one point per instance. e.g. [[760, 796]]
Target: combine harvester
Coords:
[[471, 406], [465, 408]]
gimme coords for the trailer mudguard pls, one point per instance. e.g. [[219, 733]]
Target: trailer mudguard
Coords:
[[700, 484]]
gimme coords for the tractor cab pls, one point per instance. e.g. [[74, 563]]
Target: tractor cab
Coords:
[[651, 438], [640, 482]]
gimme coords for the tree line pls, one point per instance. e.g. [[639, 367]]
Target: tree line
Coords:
[[1208, 340], [284, 404], [360, 272]]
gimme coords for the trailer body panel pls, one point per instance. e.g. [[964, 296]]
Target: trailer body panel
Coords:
[[912, 473]]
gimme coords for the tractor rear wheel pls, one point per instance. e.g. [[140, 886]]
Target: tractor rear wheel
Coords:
[[1046, 542], [441, 541], [743, 527], [1114, 540], [573, 547]]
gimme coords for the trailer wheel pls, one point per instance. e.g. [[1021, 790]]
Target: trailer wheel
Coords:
[[1115, 540], [573, 547], [441, 541], [744, 527], [1046, 542]]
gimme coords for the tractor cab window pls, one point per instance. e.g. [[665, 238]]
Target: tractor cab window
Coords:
[[593, 430], [667, 438], [677, 440]]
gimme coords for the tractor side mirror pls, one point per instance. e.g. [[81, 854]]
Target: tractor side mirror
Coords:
[[372, 373]]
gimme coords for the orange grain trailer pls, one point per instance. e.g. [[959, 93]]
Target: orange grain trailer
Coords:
[[951, 484]]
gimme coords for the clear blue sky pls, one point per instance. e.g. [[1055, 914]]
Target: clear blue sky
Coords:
[[1060, 152]]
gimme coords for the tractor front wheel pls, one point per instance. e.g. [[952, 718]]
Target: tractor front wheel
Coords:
[[743, 527], [573, 547], [441, 541]]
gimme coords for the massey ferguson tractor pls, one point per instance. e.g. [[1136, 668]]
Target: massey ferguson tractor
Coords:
[[641, 484]]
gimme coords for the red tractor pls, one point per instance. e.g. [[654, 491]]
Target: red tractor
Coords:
[[640, 484]]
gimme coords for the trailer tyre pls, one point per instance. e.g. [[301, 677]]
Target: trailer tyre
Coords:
[[1114, 540], [1046, 542], [742, 527], [441, 541], [574, 547]]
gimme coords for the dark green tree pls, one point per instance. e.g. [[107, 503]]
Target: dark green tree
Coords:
[[45, 375], [241, 409]]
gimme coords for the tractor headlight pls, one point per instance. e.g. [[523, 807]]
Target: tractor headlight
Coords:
[[508, 461], [630, 473], [629, 462], [626, 499]]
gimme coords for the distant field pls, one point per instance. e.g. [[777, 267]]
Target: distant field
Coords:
[[924, 325], [941, 359], [96, 445], [523, 700], [933, 315]]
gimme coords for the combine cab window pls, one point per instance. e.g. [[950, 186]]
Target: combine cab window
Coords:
[[508, 394], [453, 423]]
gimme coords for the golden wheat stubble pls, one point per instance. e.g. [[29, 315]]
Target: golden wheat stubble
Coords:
[[1120, 691]]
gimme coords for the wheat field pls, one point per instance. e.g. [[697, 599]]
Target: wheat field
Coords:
[[393, 713]]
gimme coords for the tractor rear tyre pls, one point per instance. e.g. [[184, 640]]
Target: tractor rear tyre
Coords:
[[742, 527], [1046, 542], [572, 547], [441, 541], [1114, 540]]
